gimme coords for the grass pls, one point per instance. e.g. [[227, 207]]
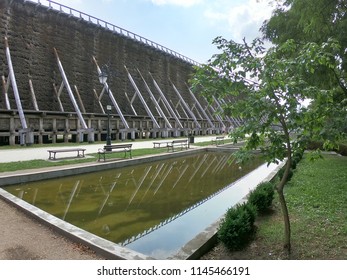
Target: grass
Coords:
[[34, 164], [317, 202]]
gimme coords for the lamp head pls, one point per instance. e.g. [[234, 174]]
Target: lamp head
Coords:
[[103, 76]]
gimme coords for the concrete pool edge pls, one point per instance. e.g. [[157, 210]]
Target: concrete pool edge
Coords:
[[191, 250], [206, 240]]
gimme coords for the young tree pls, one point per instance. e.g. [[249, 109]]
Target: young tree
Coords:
[[267, 89]]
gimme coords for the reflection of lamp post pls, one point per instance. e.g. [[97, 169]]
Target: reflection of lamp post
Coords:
[[103, 78]]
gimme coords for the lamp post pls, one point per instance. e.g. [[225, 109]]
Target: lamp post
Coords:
[[103, 78], [108, 137]]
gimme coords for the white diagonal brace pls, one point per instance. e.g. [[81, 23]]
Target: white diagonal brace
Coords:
[[149, 112], [113, 100], [200, 107], [14, 86], [186, 106], [166, 102], [157, 106], [68, 88]]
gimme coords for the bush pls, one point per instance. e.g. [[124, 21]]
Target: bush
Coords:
[[262, 196], [297, 156], [294, 163], [315, 145], [342, 150], [237, 227], [281, 173]]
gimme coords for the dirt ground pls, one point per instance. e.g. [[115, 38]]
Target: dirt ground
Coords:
[[23, 238]]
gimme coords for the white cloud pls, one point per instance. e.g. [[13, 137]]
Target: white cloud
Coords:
[[183, 3], [240, 20]]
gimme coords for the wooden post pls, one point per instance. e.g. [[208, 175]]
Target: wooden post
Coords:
[[5, 90], [98, 99], [80, 99], [36, 107], [57, 94]]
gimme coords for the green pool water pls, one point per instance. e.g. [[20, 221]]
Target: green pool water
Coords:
[[121, 203]]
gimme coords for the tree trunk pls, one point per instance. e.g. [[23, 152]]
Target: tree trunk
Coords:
[[280, 187]]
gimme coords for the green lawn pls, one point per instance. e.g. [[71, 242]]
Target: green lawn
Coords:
[[32, 164], [317, 202]]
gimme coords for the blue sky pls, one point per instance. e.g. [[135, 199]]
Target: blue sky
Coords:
[[185, 26]]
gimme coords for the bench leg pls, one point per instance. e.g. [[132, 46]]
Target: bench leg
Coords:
[[100, 156]]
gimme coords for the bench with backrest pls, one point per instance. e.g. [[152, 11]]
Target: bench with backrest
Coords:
[[177, 143], [126, 148], [218, 140], [160, 144], [53, 153]]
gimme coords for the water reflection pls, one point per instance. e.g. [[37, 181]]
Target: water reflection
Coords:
[[124, 204]]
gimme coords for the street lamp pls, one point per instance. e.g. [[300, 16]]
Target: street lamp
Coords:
[[108, 137], [103, 78]]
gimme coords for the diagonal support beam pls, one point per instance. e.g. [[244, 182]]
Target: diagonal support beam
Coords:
[[14, 86], [113, 100], [5, 86], [200, 107], [166, 102], [186, 106], [149, 112], [157, 106], [68, 88]]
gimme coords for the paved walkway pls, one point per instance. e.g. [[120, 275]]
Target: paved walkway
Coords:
[[31, 153]]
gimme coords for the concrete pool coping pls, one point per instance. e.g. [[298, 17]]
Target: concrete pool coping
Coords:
[[191, 250]]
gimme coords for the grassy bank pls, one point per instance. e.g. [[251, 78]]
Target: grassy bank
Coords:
[[317, 202], [34, 164]]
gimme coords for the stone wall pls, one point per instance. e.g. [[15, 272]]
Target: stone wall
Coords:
[[33, 31]]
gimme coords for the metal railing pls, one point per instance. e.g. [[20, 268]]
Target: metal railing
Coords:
[[109, 26]]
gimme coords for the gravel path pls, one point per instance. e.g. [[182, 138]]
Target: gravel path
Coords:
[[23, 238]]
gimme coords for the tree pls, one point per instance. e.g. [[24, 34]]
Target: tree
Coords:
[[317, 21], [267, 89]]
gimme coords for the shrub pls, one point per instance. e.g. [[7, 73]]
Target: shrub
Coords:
[[342, 150], [297, 156], [262, 196], [294, 163], [316, 145], [281, 173], [237, 227]]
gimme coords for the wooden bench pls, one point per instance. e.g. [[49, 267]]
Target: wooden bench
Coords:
[[126, 148], [159, 144], [177, 143], [218, 140], [53, 153]]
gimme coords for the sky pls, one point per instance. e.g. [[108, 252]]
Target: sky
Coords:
[[185, 26]]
